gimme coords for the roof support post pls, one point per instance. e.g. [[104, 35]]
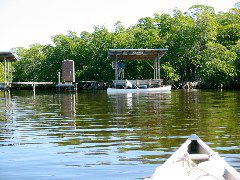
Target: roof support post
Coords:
[[8, 74], [155, 69], [116, 68], [11, 74], [5, 77], [158, 64]]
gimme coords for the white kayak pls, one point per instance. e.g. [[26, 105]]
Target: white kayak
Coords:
[[195, 160], [139, 90]]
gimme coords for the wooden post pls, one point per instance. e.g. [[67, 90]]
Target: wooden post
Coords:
[[75, 86], [11, 74], [5, 72], [158, 62], [158, 71], [155, 69], [59, 76], [34, 92], [34, 86], [8, 79], [116, 68], [59, 81]]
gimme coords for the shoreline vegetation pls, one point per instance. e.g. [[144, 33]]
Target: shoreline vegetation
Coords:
[[203, 47]]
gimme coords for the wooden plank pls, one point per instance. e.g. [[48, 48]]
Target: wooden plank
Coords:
[[139, 82], [87, 81], [31, 83], [65, 85]]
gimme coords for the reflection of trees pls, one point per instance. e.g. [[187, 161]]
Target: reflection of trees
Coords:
[[159, 123], [40, 114], [211, 112], [137, 127], [143, 121], [6, 111]]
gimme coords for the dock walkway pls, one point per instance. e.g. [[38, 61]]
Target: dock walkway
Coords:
[[33, 84]]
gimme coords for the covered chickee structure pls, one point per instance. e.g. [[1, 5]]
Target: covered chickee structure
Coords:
[[155, 55], [6, 58]]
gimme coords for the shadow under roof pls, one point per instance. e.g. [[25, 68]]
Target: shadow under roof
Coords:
[[8, 56], [136, 54]]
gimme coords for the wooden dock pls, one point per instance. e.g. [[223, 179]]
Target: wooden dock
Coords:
[[82, 85], [31, 84]]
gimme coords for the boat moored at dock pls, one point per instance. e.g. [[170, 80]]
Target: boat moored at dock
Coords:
[[161, 89], [123, 85]]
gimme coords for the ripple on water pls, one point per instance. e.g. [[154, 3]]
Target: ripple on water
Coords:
[[124, 136]]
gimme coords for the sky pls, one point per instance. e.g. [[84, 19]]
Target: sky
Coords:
[[26, 22]]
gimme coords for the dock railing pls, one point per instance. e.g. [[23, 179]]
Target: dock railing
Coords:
[[138, 82]]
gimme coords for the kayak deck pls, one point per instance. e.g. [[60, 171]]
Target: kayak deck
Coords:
[[195, 160]]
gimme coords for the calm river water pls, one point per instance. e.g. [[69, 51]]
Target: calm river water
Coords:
[[92, 135]]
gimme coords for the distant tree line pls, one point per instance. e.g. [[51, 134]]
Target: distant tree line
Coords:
[[202, 46]]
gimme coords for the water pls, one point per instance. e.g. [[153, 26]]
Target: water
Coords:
[[91, 135]]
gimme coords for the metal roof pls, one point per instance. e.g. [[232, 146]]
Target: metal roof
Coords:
[[8, 56], [136, 54]]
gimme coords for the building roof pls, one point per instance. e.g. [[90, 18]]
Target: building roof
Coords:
[[8, 56], [135, 54]]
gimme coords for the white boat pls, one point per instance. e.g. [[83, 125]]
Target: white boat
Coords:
[[139, 90], [195, 160]]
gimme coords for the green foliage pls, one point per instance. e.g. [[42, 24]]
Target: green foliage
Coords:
[[236, 49], [170, 72], [202, 46], [218, 67], [29, 66], [229, 27]]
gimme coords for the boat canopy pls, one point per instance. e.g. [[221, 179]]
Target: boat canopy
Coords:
[[136, 54]]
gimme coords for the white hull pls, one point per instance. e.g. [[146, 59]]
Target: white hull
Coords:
[[147, 90], [195, 160]]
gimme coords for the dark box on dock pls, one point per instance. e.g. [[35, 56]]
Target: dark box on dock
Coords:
[[68, 71]]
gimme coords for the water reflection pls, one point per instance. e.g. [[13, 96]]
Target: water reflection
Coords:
[[131, 101], [67, 103], [78, 134], [5, 96]]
